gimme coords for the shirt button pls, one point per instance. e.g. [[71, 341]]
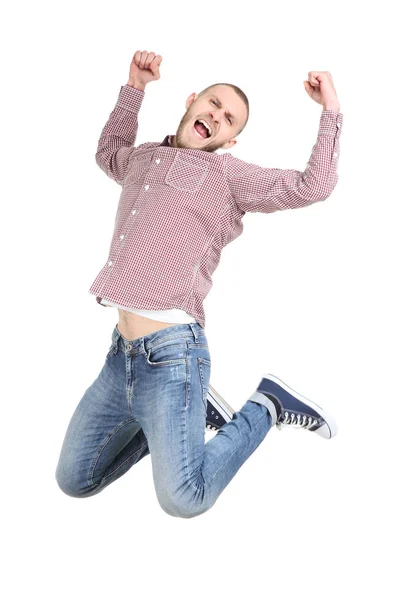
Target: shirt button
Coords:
[[110, 262], [121, 237], [157, 160], [339, 125], [146, 187], [133, 212]]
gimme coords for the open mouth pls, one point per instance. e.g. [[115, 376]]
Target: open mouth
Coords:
[[201, 130]]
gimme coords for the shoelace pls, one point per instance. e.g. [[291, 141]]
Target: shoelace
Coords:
[[296, 421]]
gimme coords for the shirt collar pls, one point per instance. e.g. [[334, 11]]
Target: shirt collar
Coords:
[[167, 141]]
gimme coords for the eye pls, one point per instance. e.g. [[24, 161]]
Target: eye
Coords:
[[230, 120]]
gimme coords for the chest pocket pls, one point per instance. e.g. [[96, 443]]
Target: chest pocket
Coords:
[[187, 173], [137, 169]]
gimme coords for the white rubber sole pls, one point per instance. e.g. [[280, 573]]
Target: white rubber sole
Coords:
[[329, 420], [220, 404]]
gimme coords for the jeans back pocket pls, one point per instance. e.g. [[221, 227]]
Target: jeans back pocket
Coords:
[[204, 366]]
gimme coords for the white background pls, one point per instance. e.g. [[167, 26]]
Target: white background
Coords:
[[309, 295]]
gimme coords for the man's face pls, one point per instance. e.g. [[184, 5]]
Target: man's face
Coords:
[[224, 112]]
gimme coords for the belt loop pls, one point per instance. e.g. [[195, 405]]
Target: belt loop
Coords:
[[116, 337], [116, 333], [194, 332]]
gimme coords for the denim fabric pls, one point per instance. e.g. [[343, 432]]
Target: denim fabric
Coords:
[[150, 398]]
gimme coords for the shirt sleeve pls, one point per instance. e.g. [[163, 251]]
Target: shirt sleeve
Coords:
[[116, 143], [262, 189]]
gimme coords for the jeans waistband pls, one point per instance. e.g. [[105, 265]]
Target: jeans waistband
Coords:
[[145, 342]]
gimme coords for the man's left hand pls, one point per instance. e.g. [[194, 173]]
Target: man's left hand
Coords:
[[321, 89]]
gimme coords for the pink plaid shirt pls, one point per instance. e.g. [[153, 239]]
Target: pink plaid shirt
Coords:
[[179, 207]]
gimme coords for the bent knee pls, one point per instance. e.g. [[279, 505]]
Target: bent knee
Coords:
[[75, 489], [69, 490], [184, 509]]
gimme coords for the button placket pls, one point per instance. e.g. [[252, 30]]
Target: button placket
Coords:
[[146, 187], [133, 212]]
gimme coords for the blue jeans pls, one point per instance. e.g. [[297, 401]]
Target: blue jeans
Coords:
[[150, 398]]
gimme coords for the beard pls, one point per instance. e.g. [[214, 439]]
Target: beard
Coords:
[[184, 137]]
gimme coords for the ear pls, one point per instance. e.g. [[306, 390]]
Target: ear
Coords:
[[229, 144], [191, 99]]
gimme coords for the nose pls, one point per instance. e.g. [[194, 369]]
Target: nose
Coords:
[[214, 117]]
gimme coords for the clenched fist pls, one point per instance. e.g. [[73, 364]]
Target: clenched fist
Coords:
[[145, 67], [320, 88]]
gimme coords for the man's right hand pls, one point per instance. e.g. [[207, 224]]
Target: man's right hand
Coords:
[[145, 67]]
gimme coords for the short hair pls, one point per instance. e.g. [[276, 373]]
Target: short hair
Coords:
[[238, 91]]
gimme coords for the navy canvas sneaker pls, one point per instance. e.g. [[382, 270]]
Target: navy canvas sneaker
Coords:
[[218, 410], [289, 408]]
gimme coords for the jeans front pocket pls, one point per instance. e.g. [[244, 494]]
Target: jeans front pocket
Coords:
[[170, 352], [204, 366]]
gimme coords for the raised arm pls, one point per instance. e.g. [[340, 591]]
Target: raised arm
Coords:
[[116, 143], [261, 189]]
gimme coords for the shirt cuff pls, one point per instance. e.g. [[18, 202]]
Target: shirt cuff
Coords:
[[130, 98], [330, 123]]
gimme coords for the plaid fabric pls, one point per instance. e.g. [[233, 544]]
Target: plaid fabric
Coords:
[[179, 207]]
